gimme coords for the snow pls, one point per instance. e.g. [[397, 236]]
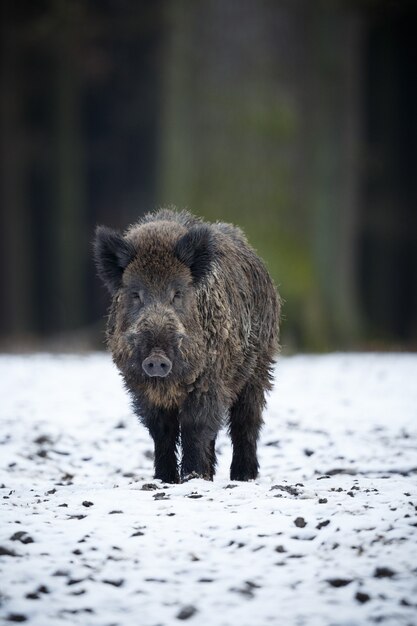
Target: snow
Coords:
[[102, 543]]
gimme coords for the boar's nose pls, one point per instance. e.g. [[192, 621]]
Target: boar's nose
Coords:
[[157, 365]]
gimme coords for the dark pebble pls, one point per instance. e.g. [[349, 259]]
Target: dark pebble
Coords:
[[287, 488], [300, 522], [74, 581], [187, 612], [87, 503], [280, 549], [339, 582], [252, 585], [16, 617], [76, 516], [160, 496], [51, 492], [115, 583], [138, 533], [384, 572], [42, 439], [60, 572], [323, 524], [362, 597], [6, 552], [246, 590], [22, 536], [149, 487], [115, 512], [323, 501]]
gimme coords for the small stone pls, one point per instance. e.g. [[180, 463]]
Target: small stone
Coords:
[[321, 525], [384, 572], [16, 617], [42, 439], [22, 536], [323, 501], [160, 496], [339, 582], [87, 503], [362, 597], [287, 488], [187, 612], [300, 522], [115, 583], [74, 581], [60, 572], [149, 487], [280, 549]]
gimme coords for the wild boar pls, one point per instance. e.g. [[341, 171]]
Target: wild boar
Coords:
[[193, 328]]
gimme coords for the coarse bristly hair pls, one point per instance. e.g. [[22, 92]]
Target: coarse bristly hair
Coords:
[[196, 295]]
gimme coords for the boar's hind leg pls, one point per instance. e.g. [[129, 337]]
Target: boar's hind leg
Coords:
[[164, 429], [244, 426]]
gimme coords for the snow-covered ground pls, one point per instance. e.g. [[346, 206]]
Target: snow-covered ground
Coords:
[[326, 536]]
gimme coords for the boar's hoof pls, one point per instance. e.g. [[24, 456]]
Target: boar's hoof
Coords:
[[157, 365], [244, 473]]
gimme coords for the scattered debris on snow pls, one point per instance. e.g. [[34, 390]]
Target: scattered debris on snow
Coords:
[[325, 536]]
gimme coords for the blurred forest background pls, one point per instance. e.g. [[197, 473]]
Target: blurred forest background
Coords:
[[295, 119]]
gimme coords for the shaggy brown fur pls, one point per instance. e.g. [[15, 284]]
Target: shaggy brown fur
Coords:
[[193, 298]]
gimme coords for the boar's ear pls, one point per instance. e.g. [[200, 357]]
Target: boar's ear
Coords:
[[197, 250], [112, 254]]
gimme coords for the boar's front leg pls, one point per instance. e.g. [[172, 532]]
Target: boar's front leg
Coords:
[[164, 429], [200, 420]]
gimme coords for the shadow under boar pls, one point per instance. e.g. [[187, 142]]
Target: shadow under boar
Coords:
[[193, 328]]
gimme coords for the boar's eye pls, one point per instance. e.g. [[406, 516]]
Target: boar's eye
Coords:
[[137, 297], [177, 297]]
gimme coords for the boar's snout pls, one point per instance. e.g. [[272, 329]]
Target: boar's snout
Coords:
[[157, 364]]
